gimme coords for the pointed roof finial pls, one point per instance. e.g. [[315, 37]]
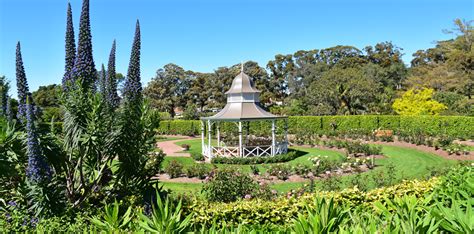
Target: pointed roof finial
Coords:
[[241, 66]]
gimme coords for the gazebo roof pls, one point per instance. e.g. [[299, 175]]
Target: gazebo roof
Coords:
[[242, 83], [246, 106]]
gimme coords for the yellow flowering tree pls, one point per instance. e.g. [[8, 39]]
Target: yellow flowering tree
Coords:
[[418, 102]]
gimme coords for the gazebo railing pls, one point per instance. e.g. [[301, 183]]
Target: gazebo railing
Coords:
[[257, 151], [225, 151], [247, 151]]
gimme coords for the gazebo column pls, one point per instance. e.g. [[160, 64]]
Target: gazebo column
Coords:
[[273, 138], [218, 134], [241, 153], [203, 150], [286, 135], [209, 138]]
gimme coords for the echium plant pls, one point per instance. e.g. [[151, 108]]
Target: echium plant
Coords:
[[101, 82], [38, 169], [85, 127], [4, 88], [70, 48], [22, 84], [84, 70], [9, 112], [136, 123], [113, 100]]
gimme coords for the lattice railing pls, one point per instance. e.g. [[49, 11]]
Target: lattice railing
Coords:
[[257, 151], [225, 151], [248, 151]]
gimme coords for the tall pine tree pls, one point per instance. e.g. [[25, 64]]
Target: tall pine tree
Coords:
[[70, 48]]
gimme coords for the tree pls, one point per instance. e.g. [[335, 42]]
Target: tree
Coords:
[[168, 89], [342, 91], [200, 89], [449, 65], [70, 48], [48, 99], [418, 102]]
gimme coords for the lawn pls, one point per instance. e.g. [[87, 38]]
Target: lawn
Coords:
[[409, 163]]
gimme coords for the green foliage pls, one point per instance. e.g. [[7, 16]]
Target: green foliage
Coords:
[[197, 156], [455, 219], [228, 185], [418, 102], [111, 220], [282, 211], [174, 169], [453, 126], [291, 155], [165, 218], [281, 171], [198, 170], [324, 216]]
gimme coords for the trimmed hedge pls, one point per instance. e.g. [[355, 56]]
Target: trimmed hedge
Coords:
[[461, 127], [291, 155], [283, 210]]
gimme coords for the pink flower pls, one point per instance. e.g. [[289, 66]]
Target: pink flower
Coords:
[[248, 197]]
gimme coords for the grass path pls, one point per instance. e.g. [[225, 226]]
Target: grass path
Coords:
[[409, 164]]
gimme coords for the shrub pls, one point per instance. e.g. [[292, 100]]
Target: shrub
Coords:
[[174, 169], [291, 155], [321, 164], [198, 170], [197, 156], [282, 210], [227, 185], [453, 126], [254, 169], [185, 147], [357, 147], [281, 171], [302, 169]]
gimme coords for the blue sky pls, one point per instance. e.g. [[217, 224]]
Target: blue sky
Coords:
[[204, 35]]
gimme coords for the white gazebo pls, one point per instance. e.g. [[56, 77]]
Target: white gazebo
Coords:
[[242, 107]]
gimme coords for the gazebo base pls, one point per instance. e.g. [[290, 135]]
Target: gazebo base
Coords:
[[247, 151]]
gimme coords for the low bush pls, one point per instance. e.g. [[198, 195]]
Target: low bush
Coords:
[[197, 156], [174, 169], [359, 148], [291, 155], [281, 171], [227, 185], [458, 149], [198, 170], [302, 170], [185, 147], [283, 210]]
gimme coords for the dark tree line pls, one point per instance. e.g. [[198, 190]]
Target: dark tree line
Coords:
[[338, 80]]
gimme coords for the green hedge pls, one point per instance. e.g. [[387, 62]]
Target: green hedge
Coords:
[[455, 126], [283, 210]]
